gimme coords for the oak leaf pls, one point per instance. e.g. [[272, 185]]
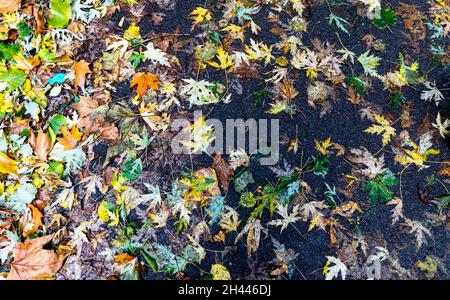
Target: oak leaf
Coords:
[[397, 211]]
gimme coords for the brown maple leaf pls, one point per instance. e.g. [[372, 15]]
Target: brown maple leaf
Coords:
[[32, 262], [223, 171], [85, 106], [110, 133], [287, 90]]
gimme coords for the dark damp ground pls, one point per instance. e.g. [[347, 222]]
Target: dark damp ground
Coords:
[[343, 124]]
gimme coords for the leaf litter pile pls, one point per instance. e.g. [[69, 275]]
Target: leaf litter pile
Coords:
[[91, 189]]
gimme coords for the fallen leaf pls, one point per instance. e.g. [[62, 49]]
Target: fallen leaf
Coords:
[[424, 195], [7, 165], [85, 106], [223, 171], [42, 145], [220, 272], [397, 211], [9, 6], [81, 68], [143, 81], [110, 133], [31, 221], [32, 262], [70, 138], [445, 171]]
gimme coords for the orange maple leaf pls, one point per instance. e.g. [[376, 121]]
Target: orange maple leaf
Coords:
[[70, 138], [81, 68], [143, 81]]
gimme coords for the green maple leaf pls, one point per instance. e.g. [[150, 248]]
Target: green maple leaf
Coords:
[[379, 187], [387, 18]]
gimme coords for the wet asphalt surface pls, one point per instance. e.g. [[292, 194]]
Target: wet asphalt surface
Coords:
[[343, 124]]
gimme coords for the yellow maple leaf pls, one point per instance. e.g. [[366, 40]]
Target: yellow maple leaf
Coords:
[[235, 31], [225, 60], [317, 221], [7, 165], [311, 73], [259, 50], [200, 135], [202, 187], [322, 147], [415, 156], [199, 15], [25, 64], [277, 107], [293, 145], [384, 129]]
